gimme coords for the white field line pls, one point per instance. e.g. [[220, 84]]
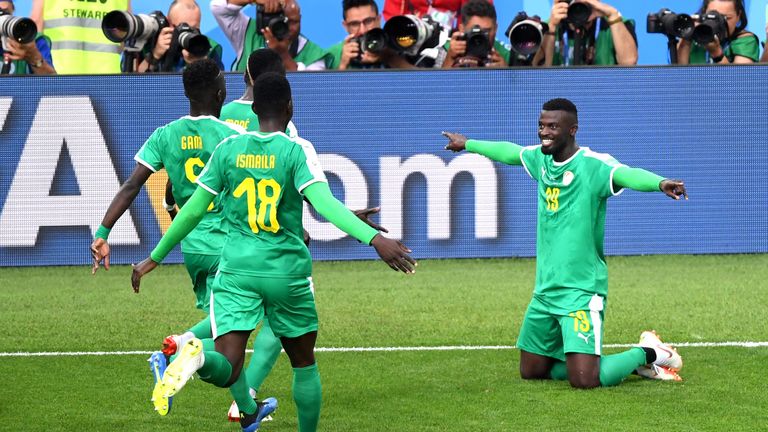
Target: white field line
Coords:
[[388, 349]]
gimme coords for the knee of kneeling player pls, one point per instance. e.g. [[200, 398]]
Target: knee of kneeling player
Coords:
[[532, 374], [584, 382]]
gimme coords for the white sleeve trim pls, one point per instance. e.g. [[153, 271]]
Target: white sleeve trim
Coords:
[[202, 185], [522, 162], [316, 66], [610, 179], [313, 181], [145, 163]]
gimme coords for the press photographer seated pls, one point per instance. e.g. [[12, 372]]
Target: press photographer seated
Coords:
[[24, 51], [168, 54], [720, 36], [474, 44], [365, 46]]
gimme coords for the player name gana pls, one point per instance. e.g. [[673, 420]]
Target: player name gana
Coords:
[[255, 161], [192, 142]]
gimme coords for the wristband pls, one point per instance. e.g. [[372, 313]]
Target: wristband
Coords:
[[168, 207], [102, 232]]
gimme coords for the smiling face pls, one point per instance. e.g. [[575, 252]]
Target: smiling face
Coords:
[[557, 131]]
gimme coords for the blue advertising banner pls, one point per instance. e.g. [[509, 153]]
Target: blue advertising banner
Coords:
[[67, 143]]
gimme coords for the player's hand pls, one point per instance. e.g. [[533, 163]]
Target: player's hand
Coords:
[[307, 238], [163, 43], [364, 216], [139, 270], [674, 189], [99, 252], [394, 253], [456, 142]]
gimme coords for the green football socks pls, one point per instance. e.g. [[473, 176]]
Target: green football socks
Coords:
[[202, 330], [307, 396], [614, 368], [266, 350]]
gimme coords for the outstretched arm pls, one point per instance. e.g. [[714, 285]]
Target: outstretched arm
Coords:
[[394, 253], [187, 219], [120, 203], [501, 151], [645, 181]]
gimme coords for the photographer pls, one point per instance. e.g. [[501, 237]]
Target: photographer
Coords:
[[740, 45], [30, 58], [612, 41], [297, 52], [478, 20], [764, 58], [167, 55], [360, 17]]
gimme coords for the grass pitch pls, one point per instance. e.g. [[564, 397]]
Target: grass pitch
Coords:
[[364, 304]]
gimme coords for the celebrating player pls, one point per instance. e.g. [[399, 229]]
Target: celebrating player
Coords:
[[261, 177], [561, 335], [182, 147]]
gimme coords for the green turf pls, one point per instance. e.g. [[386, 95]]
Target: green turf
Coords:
[[451, 302]]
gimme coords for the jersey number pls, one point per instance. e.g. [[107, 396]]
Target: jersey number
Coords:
[[189, 170], [552, 195], [580, 321], [266, 192]]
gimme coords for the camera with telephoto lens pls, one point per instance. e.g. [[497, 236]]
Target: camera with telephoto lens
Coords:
[[578, 12], [133, 30], [409, 34], [671, 24], [276, 22], [192, 40], [526, 34], [711, 24], [22, 30], [373, 41], [478, 44]]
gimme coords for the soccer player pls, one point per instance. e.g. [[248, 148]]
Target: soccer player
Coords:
[[183, 147], [261, 178], [561, 334], [239, 111]]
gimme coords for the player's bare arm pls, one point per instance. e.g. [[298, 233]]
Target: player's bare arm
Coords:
[[189, 216], [123, 199]]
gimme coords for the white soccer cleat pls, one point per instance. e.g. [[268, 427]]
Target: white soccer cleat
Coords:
[[666, 356], [658, 373], [181, 370]]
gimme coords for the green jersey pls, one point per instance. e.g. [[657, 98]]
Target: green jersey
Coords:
[[745, 46], [259, 178], [183, 147], [570, 263], [239, 112]]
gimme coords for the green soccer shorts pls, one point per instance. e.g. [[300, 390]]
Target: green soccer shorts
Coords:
[[238, 303], [202, 269], [555, 335]]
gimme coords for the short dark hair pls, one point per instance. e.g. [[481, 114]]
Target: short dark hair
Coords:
[[200, 77], [349, 4], [271, 95], [741, 12], [477, 8], [264, 60], [560, 104]]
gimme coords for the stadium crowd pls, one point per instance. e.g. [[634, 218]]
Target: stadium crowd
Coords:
[[104, 37]]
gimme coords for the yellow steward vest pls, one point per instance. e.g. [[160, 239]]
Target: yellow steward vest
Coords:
[[78, 46]]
